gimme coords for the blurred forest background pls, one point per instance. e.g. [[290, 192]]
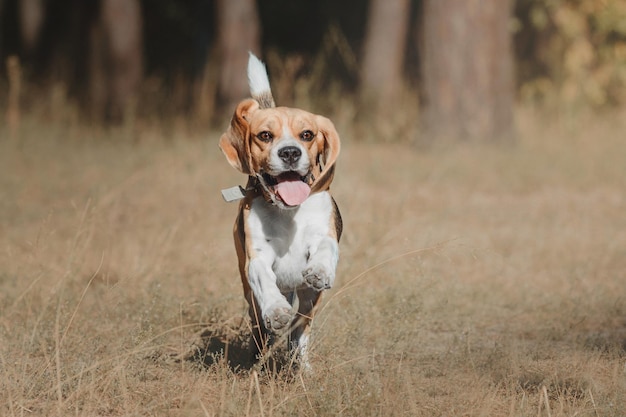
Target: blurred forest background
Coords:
[[453, 68]]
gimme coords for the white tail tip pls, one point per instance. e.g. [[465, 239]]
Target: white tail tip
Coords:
[[259, 82]]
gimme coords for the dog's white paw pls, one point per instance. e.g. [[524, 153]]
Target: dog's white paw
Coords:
[[278, 317], [318, 277]]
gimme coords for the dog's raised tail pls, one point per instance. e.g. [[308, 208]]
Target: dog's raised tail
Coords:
[[259, 83]]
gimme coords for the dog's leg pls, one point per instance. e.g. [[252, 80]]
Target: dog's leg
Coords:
[[319, 273], [275, 310], [299, 338], [259, 339]]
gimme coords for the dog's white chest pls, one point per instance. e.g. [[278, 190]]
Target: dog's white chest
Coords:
[[285, 239]]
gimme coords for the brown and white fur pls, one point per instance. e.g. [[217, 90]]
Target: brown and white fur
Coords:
[[288, 227]]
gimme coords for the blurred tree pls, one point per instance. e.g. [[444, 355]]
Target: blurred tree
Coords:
[[571, 54], [238, 32], [1, 31], [31, 21], [467, 69], [116, 59], [384, 47]]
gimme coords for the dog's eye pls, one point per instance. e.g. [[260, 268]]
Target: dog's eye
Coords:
[[265, 136], [307, 135]]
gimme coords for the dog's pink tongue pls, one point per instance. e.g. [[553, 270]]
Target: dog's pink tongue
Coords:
[[292, 191]]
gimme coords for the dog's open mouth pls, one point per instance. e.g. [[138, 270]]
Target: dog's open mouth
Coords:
[[290, 187]]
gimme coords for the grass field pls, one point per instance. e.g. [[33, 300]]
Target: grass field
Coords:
[[473, 280]]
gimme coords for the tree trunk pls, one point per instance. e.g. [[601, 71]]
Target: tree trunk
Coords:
[[98, 81], [122, 25], [385, 43], [1, 19], [31, 20], [467, 69], [238, 33]]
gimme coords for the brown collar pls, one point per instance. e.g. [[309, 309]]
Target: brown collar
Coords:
[[254, 189]]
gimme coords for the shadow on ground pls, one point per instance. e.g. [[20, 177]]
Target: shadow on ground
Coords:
[[223, 344]]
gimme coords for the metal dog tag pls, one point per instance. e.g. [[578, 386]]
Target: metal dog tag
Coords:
[[233, 193]]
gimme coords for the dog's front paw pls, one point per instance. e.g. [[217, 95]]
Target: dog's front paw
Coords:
[[278, 317], [318, 277]]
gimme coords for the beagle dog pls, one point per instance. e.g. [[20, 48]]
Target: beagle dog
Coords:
[[288, 228]]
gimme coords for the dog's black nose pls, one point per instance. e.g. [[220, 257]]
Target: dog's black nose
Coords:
[[290, 154]]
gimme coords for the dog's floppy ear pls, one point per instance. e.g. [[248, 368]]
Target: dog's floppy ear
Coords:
[[329, 151], [234, 143]]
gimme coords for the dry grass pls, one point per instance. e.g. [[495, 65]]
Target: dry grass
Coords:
[[473, 281]]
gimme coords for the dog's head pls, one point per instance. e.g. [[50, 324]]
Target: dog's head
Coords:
[[290, 151]]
